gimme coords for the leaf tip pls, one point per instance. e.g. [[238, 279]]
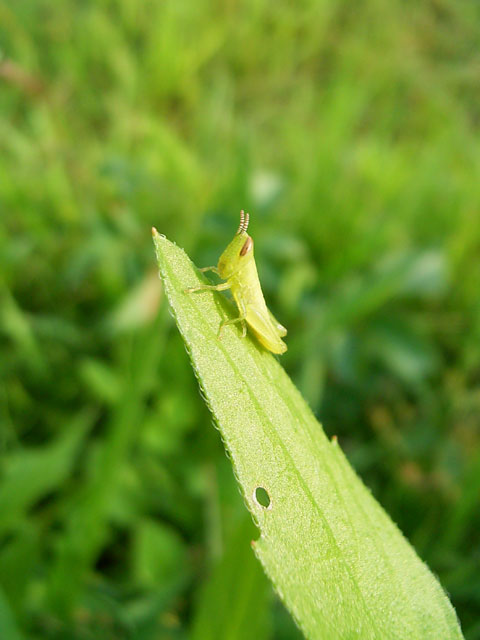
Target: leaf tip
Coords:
[[156, 235]]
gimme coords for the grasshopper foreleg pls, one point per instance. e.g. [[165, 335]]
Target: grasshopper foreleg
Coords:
[[241, 318], [205, 269], [233, 321], [209, 287]]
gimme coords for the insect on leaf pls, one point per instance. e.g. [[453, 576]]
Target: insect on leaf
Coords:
[[237, 267]]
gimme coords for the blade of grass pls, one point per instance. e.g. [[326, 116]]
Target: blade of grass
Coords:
[[30, 474], [8, 626], [234, 601], [87, 528]]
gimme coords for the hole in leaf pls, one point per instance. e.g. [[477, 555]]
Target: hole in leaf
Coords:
[[262, 498]]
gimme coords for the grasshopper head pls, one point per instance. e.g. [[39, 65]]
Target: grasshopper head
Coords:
[[239, 251]]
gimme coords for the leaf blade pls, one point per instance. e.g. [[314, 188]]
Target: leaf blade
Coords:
[[335, 557]]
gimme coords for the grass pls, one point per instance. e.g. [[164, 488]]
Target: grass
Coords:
[[350, 135]]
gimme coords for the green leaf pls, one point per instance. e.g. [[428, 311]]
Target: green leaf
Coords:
[[234, 601], [339, 563], [19, 559], [158, 555], [8, 626], [30, 474]]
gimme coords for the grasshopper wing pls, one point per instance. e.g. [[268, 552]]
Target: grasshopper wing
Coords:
[[266, 331]]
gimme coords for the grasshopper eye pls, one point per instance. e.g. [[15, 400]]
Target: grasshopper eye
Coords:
[[248, 246]]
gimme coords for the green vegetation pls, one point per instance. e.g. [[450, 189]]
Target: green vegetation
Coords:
[[350, 134], [339, 563]]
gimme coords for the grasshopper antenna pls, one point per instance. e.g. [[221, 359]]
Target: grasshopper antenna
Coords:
[[242, 221]]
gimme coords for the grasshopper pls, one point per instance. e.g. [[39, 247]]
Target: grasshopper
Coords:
[[237, 267]]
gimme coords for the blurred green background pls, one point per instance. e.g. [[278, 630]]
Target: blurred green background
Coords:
[[350, 131]]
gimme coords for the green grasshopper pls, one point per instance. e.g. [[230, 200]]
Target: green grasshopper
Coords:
[[237, 266]]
